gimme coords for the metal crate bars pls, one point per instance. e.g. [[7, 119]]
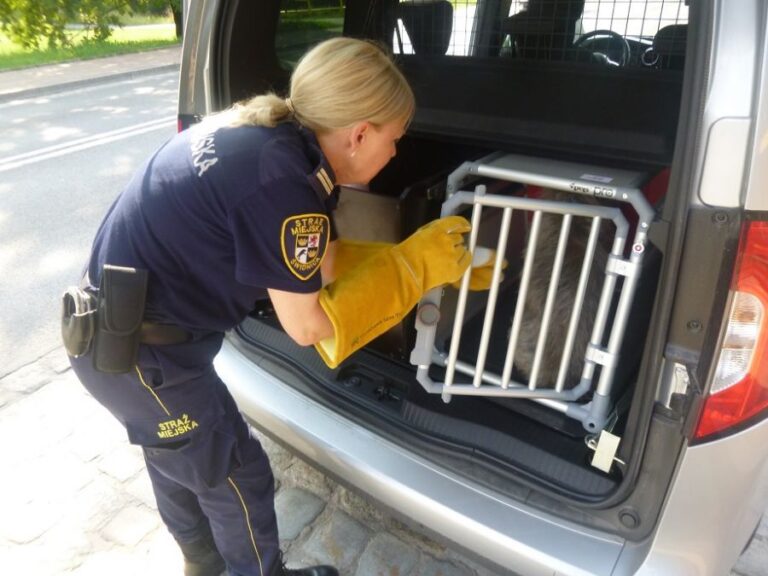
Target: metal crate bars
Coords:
[[620, 280]]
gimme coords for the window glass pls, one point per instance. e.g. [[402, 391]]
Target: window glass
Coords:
[[608, 32], [634, 18], [303, 24]]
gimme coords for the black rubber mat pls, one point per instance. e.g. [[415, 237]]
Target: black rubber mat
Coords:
[[384, 395]]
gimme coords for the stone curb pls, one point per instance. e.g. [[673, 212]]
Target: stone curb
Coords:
[[53, 88]]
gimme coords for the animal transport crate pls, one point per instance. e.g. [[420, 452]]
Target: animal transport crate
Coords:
[[589, 400]]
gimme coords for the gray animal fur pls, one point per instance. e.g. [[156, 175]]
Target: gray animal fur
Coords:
[[549, 233]]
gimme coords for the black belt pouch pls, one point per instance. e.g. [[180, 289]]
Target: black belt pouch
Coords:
[[78, 320], [122, 295]]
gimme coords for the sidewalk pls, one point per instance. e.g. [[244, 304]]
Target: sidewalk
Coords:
[[42, 80]]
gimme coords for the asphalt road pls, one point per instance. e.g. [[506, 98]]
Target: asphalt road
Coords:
[[63, 159]]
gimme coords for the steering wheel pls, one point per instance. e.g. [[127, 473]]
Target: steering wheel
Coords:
[[621, 43]]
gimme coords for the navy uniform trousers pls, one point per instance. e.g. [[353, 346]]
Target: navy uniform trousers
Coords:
[[207, 472]]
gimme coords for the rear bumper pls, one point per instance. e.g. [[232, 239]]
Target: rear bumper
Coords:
[[492, 528]]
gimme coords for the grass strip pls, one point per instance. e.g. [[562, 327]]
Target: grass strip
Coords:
[[123, 41]]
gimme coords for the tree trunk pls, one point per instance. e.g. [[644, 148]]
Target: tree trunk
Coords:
[[178, 18]]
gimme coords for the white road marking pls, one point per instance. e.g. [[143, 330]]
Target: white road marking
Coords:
[[84, 143]]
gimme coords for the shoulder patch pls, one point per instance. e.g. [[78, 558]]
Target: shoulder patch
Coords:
[[304, 240]]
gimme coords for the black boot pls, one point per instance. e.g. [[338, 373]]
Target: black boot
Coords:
[[202, 558], [309, 571], [280, 569]]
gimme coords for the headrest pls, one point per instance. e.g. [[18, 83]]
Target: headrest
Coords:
[[542, 17], [671, 40], [429, 24]]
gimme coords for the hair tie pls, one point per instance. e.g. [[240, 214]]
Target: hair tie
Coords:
[[289, 105]]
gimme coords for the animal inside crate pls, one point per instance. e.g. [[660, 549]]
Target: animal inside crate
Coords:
[[572, 296]]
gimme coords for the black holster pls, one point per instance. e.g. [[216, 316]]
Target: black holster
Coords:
[[122, 296]]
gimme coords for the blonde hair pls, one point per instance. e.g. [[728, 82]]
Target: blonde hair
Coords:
[[336, 84]]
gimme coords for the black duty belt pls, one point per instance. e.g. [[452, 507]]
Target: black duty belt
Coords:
[[163, 334]]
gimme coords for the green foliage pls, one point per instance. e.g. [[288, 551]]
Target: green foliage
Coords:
[[29, 21], [36, 23], [155, 7], [99, 15]]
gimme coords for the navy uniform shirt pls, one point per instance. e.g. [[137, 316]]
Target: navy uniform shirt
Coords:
[[218, 215]]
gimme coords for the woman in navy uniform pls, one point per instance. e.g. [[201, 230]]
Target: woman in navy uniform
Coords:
[[234, 208]]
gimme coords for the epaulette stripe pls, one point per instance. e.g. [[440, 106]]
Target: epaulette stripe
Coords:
[[325, 180], [322, 175]]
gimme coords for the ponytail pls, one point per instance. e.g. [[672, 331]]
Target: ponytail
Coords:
[[263, 110]]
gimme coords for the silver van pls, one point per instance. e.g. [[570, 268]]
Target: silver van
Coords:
[[602, 409]]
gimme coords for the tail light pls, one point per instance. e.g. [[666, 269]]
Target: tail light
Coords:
[[184, 121], [739, 391]]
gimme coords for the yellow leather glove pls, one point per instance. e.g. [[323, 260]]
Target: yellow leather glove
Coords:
[[375, 295], [351, 253]]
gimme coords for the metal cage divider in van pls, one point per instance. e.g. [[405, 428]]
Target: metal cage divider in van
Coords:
[[610, 322]]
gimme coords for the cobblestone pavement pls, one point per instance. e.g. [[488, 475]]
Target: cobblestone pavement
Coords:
[[75, 499]]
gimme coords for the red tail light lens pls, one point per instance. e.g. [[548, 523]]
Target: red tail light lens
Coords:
[[739, 391]]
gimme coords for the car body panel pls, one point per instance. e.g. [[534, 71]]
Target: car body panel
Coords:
[[757, 188], [194, 74], [735, 60], [714, 481], [490, 527]]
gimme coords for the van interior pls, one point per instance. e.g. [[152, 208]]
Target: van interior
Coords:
[[590, 85]]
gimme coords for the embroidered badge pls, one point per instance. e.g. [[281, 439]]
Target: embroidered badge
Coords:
[[176, 427], [304, 241]]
